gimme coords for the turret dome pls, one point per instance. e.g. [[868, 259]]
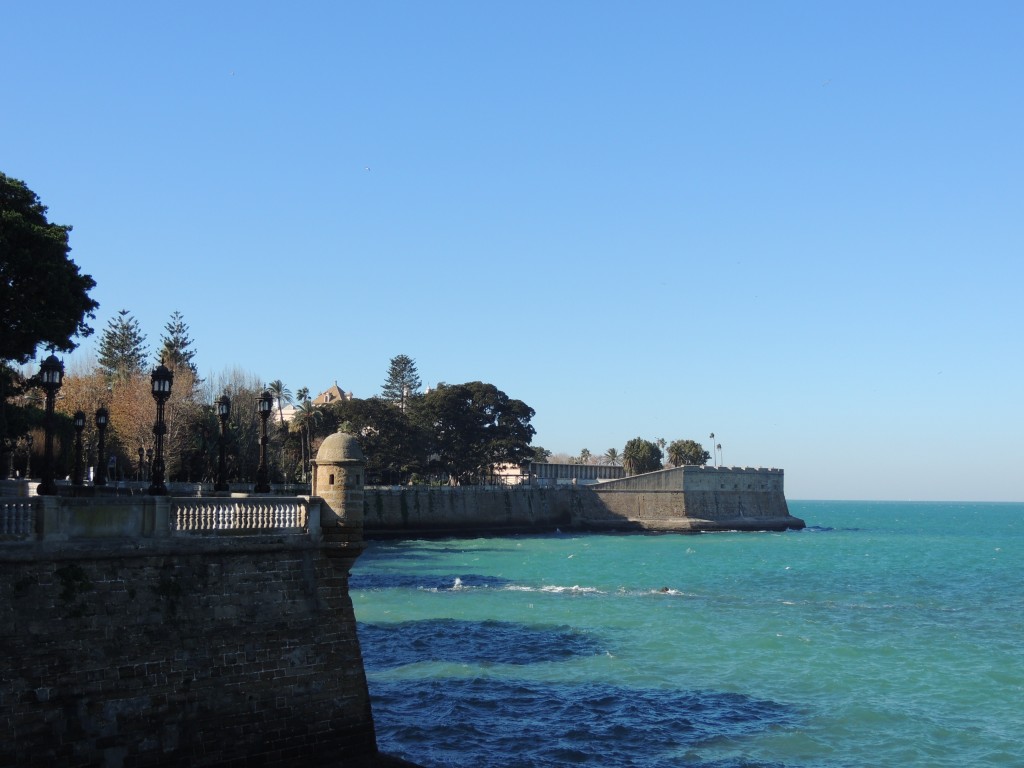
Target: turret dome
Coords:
[[339, 448]]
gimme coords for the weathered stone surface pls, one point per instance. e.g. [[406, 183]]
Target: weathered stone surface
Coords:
[[129, 655], [184, 632], [685, 499]]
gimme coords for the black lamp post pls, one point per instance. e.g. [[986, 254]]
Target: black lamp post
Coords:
[[79, 426], [264, 404], [149, 463], [223, 411], [7, 447], [102, 418], [161, 380], [28, 456], [142, 455], [51, 375]]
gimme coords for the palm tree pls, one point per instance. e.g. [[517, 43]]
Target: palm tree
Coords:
[[306, 416], [282, 394], [611, 457], [675, 453], [714, 454]]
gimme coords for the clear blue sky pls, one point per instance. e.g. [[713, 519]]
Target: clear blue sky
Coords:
[[798, 225]]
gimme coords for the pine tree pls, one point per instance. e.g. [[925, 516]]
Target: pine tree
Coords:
[[176, 350], [403, 380], [123, 349]]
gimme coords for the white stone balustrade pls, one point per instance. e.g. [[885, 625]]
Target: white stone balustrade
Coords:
[[239, 515], [17, 520], [69, 519]]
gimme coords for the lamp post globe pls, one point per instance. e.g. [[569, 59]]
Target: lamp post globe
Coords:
[[79, 422], [223, 412], [51, 376], [161, 380], [264, 405], [102, 419]]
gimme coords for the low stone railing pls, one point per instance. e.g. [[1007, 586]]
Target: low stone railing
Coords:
[[239, 515], [61, 519], [17, 519]]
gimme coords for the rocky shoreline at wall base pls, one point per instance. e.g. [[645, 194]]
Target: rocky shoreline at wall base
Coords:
[[685, 526]]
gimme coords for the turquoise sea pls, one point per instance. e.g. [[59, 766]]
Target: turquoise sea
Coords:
[[885, 634]]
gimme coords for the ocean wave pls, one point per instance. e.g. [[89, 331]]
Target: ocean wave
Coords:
[[368, 580]]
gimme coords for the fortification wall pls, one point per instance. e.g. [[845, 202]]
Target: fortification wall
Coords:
[[703, 479], [472, 509], [153, 632], [672, 500], [693, 511]]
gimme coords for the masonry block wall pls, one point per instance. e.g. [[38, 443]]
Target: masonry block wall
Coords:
[[187, 653], [673, 500], [700, 499], [465, 509]]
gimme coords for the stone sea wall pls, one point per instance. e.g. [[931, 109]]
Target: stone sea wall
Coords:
[[178, 632], [691, 499]]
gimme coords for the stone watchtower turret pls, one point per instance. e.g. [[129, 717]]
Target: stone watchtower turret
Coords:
[[339, 472]]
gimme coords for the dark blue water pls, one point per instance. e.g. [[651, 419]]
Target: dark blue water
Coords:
[[885, 634]]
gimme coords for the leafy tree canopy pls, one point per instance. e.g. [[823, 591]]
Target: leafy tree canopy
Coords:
[[687, 453], [44, 298], [394, 445], [122, 347], [403, 380], [640, 456], [474, 426]]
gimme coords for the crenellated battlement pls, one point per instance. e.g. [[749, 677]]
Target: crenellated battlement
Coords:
[[702, 479]]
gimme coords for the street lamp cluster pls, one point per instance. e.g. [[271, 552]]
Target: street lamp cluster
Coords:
[[223, 412], [102, 417], [161, 380], [264, 404], [51, 377]]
